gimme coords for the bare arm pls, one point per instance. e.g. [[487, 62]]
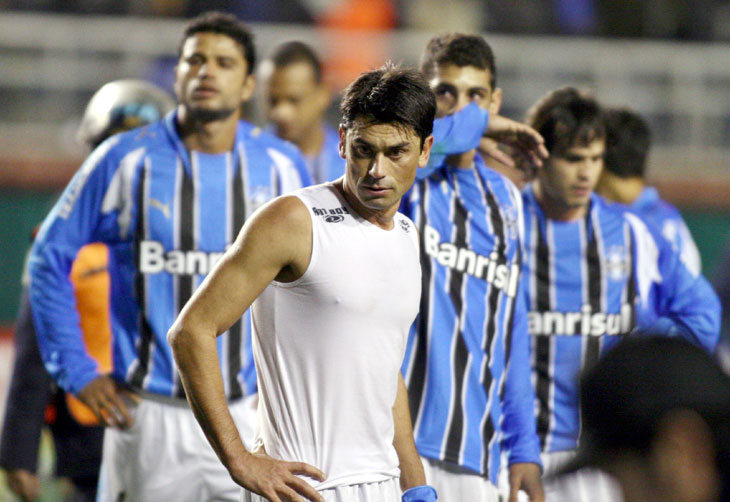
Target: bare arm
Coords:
[[275, 243], [411, 469]]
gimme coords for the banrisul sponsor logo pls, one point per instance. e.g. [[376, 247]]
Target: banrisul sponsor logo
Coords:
[[489, 268], [584, 322], [153, 259]]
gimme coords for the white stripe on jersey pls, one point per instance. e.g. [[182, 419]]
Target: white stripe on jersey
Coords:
[[647, 253], [118, 196]]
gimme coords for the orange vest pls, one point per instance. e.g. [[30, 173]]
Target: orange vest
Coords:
[[90, 279]]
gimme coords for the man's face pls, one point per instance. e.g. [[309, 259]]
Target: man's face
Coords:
[[211, 77], [295, 101], [457, 86], [382, 160], [569, 177]]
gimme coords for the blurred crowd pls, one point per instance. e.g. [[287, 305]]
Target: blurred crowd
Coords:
[[662, 19]]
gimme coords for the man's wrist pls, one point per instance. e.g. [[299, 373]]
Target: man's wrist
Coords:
[[423, 493]]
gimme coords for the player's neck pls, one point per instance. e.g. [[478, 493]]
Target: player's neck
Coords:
[[617, 189], [463, 160], [555, 209], [210, 136], [382, 218], [312, 141]]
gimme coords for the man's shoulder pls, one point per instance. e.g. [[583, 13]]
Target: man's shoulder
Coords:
[[255, 135], [497, 182], [148, 138]]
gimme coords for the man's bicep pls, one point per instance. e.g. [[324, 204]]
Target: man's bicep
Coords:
[[268, 242]]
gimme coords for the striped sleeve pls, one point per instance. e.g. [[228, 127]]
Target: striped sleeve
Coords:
[[520, 433], [683, 304], [74, 221]]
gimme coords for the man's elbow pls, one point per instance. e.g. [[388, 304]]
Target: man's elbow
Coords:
[[178, 337]]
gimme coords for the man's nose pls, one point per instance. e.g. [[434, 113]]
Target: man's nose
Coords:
[[378, 167]]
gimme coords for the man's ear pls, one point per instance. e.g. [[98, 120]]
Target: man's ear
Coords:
[[425, 151], [343, 137], [496, 102], [176, 86], [249, 85]]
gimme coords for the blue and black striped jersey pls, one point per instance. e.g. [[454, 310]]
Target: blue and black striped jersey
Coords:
[[167, 215], [590, 281], [466, 363]]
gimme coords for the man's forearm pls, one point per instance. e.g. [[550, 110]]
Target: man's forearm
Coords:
[[411, 469], [197, 360]]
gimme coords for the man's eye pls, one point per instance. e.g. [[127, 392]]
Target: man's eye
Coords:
[[361, 151]]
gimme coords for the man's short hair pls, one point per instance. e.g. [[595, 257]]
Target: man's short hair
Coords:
[[223, 24], [461, 50], [390, 95], [293, 52], [567, 117], [628, 139]]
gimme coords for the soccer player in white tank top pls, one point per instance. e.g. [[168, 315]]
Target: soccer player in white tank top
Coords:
[[321, 383]]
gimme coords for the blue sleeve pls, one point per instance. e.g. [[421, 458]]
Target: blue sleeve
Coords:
[[289, 162], [454, 134], [301, 167], [684, 305], [29, 393], [520, 431], [71, 224]]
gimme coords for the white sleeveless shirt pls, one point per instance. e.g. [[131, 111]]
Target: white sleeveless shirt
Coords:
[[328, 347]]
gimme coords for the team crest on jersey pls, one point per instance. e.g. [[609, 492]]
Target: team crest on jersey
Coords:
[[616, 263], [335, 215]]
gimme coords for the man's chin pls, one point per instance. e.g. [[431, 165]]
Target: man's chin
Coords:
[[210, 114]]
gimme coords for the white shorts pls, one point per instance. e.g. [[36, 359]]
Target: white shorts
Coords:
[[585, 485], [456, 484], [165, 456], [383, 491]]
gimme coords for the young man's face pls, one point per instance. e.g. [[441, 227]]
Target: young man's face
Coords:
[[569, 177], [211, 77], [382, 160], [457, 86], [295, 101]]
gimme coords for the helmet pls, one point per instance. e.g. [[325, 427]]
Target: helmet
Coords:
[[121, 105]]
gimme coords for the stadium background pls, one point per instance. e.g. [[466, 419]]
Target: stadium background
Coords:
[[669, 60]]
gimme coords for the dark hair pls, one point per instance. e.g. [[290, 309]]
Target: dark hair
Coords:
[[297, 52], [566, 117], [223, 24], [628, 139], [625, 396], [390, 95], [461, 50]]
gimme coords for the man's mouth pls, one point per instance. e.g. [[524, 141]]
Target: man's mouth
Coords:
[[204, 91]]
